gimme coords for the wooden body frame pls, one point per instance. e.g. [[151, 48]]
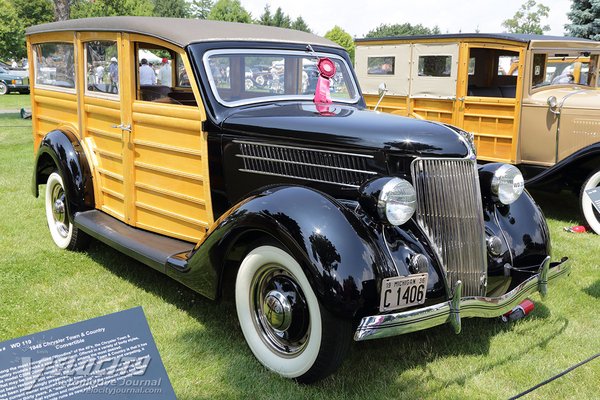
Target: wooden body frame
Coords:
[[153, 174]]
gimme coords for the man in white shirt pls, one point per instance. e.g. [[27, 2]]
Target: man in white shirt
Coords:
[[164, 74], [147, 75]]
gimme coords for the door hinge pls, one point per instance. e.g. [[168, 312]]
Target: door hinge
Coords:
[[123, 127]]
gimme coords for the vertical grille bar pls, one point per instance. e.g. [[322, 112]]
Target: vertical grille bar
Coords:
[[449, 210]]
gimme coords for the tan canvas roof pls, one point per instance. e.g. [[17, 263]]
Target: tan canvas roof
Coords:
[[182, 32]]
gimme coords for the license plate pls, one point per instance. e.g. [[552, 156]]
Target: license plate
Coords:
[[403, 291]]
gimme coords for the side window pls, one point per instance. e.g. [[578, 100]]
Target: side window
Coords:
[[55, 65], [437, 66], [161, 76], [508, 65], [381, 65], [102, 67]]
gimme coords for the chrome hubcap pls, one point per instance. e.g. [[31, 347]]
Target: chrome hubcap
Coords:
[[280, 310], [58, 211]]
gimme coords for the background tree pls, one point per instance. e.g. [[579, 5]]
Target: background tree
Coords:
[[172, 8], [33, 12], [528, 19], [266, 18], [62, 10], [585, 19], [281, 19], [103, 8], [11, 32], [406, 29], [342, 38], [300, 25], [201, 8], [229, 10]]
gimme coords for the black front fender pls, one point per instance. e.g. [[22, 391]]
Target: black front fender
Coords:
[[338, 253], [61, 150]]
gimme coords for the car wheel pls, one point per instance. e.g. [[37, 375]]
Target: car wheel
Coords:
[[3, 88], [591, 215], [260, 80], [283, 323], [63, 232], [249, 84]]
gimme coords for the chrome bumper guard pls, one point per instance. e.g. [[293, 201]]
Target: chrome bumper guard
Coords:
[[380, 326]]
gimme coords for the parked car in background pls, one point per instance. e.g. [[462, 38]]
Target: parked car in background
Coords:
[[9, 82], [326, 222], [529, 100]]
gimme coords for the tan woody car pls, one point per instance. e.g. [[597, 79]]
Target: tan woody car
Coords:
[[528, 100]]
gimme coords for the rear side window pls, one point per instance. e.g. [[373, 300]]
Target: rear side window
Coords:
[[102, 67], [54, 65], [381, 65], [435, 66]]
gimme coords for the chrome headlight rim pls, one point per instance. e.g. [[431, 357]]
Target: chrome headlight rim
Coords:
[[397, 202], [507, 184]]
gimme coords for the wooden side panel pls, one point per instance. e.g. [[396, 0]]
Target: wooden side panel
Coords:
[[169, 170], [53, 109], [99, 117], [492, 122], [433, 110], [390, 104]]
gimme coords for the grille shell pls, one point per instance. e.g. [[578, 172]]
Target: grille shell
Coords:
[[450, 211]]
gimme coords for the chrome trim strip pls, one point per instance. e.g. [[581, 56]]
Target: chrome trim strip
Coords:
[[306, 164], [298, 177], [302, 148], [452, 311]]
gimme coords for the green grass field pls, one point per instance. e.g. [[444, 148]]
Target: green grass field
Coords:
[[15, 101], [204, 352]]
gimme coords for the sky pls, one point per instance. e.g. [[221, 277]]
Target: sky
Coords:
[[359, 17]]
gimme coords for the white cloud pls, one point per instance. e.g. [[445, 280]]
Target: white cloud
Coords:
[[359, 17]]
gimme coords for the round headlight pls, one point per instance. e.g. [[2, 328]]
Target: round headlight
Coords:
[[397, 201], [507, 184]]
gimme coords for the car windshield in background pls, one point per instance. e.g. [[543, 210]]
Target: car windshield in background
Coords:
[[563, 69], [242, 77]]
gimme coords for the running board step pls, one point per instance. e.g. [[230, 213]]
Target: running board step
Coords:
[[149, 248]]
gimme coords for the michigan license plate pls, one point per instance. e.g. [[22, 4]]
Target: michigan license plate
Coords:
[[403, 291]]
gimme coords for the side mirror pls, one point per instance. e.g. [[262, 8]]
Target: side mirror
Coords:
[[382, 90], [553, 104]]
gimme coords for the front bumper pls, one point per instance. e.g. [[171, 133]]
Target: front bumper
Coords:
[[380, 326], [17, 88]]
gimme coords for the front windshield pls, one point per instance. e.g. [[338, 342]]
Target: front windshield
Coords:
[[249, 76], [550, 69]]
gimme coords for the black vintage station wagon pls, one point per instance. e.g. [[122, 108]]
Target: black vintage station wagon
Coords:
[[240, 156]]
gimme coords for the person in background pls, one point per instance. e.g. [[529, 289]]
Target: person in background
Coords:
[[113, 73], [164, 74], [99, 73], [14, 64], [147, 75]]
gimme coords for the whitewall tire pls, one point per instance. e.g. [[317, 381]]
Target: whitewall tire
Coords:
[[591, 215], [281, 318], [64, 234]]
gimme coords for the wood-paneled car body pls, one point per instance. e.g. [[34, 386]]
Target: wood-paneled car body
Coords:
[[529, 100], [326, 219]]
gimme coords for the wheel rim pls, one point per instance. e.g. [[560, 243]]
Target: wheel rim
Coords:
[[279, 310], [592, 215], [3, 88], [58, 199]]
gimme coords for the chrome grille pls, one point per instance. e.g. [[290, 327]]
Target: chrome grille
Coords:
[[344, 169], [449, 209]]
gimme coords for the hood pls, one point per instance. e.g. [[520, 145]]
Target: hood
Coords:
[[344, 127]]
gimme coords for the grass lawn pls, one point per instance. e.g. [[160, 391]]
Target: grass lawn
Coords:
[[15, 101], [204, 352]]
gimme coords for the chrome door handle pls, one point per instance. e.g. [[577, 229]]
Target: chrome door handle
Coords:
[[123, 127]]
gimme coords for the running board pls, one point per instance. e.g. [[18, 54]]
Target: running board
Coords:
[[152, 249]]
